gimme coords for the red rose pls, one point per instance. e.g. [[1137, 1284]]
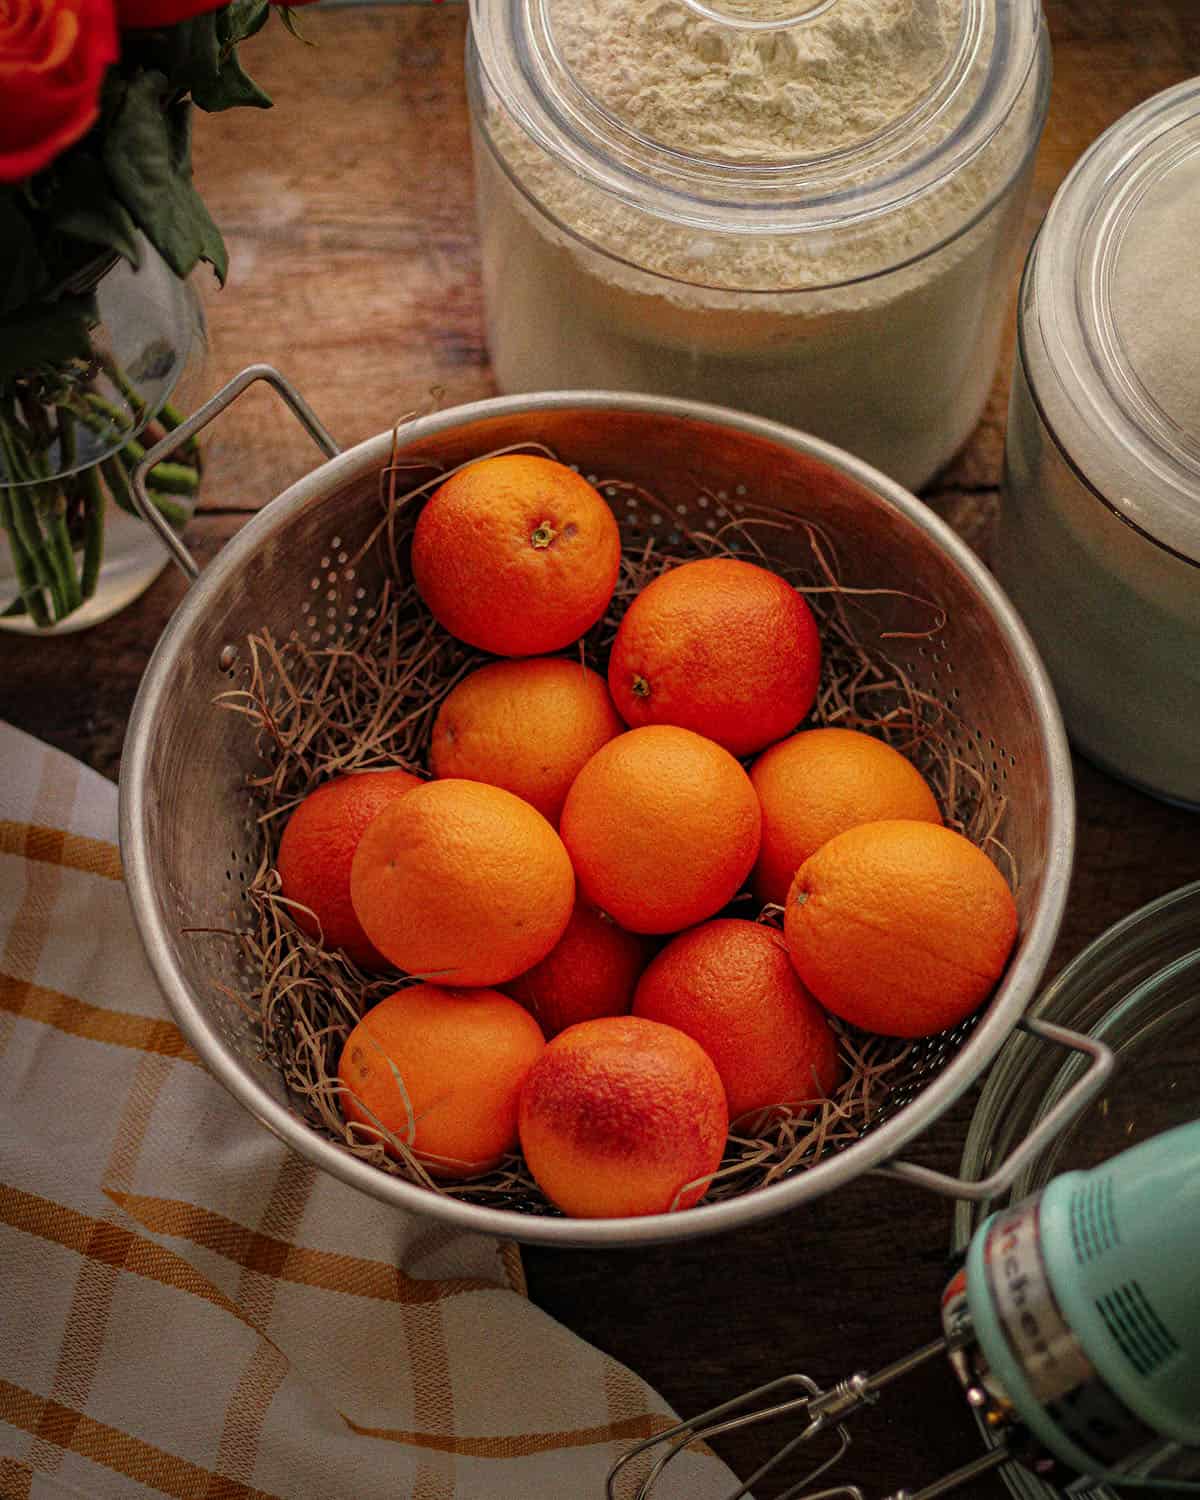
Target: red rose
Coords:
[[53, 54], [140, 15]]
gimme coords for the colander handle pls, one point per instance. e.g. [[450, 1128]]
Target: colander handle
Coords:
[[200, 418], [1072, 1103]]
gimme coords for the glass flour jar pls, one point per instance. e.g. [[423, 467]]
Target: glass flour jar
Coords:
[[1099, 538], [818, 224]]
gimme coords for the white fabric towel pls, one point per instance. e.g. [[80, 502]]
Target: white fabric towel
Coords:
[[188, 1309]]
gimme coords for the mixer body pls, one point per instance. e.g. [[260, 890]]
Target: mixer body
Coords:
[[1076, 1321]]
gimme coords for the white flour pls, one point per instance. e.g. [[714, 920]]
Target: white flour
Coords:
[[712, 91], [1156, 296], [895, 367]]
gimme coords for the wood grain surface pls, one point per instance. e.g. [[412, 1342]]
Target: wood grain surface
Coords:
[[349, 216]]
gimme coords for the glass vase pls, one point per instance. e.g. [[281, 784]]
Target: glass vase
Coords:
[[72, 550]]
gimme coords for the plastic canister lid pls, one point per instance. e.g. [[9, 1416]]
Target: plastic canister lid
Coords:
[[1111, 318]]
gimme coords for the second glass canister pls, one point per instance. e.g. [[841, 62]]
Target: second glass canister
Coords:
[[1099, 538]]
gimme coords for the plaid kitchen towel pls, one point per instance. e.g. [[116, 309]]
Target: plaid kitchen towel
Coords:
[[186, 1308]]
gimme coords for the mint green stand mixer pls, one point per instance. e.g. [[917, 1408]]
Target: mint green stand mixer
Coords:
[[1074, 1325]]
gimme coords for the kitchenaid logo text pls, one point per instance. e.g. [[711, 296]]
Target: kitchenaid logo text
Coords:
[[1060, 1376], [1045, 1348], [1018, 1287]]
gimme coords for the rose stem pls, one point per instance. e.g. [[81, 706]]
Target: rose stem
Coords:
[[52, 494], [27, 581], [171, 419], [176, 479], [93, 531], [122, 382], [25, 523], [118, 483]]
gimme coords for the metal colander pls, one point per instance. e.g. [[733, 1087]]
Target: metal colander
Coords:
[[188, 840]]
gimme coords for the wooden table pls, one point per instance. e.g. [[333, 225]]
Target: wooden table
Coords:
[[348, 212]]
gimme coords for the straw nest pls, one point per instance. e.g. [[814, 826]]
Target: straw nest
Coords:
[[369, 699]]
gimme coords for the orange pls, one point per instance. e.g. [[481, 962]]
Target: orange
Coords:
[[528, 726], [900, 927], [442, 1070], [467, 884], [316, 851], [730, 986], [623, 1116], [591, 972], [719, 646], [819, 783], [662, 827], [516, 554]]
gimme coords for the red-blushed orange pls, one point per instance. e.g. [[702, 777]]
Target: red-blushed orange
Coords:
[[719, 646], [592, 971], [441, 1070], [467, 885], [317, 850], [622, 1116], [900, 927], [662, 827], [529, 726], [817, 784], [730, 986], [516, 554]]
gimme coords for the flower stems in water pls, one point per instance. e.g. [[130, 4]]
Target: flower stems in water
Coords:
[[93, 532], [30, 554], [53, 512], [170, 420], [122, 382], [121, 486], [27, 530], [27, 580]]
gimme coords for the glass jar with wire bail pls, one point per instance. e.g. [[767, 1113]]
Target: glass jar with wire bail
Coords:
[[810, 215], [1137, 990], [1099, 537]]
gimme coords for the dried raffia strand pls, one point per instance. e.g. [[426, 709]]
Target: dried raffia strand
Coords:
[[369, 699]]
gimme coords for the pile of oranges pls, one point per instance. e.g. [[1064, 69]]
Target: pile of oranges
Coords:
[[555, 888]]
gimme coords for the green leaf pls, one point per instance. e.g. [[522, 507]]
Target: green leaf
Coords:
[[85, 205], [200, 57], [21, 271], [288, 16], [149, 158], [231, 87], [244, 18], [194, 52], [46, 334]]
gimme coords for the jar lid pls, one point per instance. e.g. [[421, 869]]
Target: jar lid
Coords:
[[1111, 318], [860, 111]]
